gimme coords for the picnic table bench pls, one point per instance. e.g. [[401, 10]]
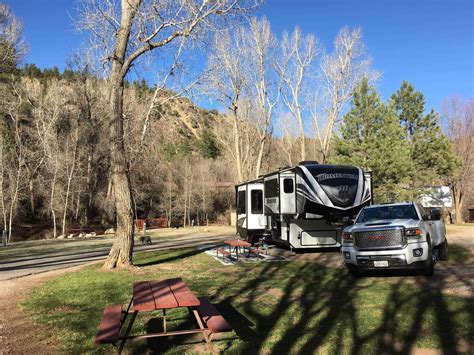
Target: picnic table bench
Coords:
[[214, 321], [160, 295], [109, 328], [223, 252]]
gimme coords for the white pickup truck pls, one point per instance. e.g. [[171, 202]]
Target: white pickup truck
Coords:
[[395, 236]]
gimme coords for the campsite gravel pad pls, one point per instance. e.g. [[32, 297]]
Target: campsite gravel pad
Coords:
[[252, 259]]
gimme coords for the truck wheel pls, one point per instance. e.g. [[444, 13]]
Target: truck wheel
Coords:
[[443, 251], [429, 266]]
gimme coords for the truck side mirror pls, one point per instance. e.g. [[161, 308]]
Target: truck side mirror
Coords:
[[435, 214], [346, 221]]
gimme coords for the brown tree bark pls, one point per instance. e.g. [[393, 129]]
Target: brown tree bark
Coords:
[[458, 204], [121, 253]]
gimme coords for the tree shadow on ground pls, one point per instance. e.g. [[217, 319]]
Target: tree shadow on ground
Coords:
[[178, 256], [318, 309]]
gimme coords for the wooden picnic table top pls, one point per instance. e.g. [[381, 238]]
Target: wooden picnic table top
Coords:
[[238, 243], [165, 294]]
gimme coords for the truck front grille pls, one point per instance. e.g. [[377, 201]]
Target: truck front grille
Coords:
[[380, 239]]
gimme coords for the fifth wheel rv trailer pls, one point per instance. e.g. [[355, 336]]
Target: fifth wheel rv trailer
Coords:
[[304, 206]]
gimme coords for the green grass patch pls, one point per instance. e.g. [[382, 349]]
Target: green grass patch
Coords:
[[279, 307], [459, 254], [40, 248], [24, 250]]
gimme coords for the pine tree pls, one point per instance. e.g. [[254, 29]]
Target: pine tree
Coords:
[[430, 151], [371, 137], [207, 145]]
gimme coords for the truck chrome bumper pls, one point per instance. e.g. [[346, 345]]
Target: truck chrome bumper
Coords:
[[405, 257]]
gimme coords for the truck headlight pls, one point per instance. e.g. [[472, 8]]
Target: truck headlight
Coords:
[[347, 237], [413, 233]]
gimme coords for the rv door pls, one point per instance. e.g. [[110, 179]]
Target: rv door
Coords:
[[287, 193], [272, 195], [241, 206], [255, 217]]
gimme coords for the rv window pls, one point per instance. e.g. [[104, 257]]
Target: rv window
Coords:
[[288, 186], [271, 188], [241, 202], [256, 198]]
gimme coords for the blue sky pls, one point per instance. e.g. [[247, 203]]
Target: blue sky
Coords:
[[427, 42]]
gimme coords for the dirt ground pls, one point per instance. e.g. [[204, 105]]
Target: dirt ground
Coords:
[[18, 334], [15, 326]]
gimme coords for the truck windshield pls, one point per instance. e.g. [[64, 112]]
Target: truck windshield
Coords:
[[387, 212]]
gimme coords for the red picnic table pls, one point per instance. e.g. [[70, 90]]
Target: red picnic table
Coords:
[[161, 295]]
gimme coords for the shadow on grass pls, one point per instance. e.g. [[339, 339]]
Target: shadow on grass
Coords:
[[304, 307], [175, 257], [328, 314]]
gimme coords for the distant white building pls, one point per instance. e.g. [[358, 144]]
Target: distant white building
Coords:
[[437, 196]]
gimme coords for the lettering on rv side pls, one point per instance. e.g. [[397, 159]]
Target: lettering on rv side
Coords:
[[322, 177]]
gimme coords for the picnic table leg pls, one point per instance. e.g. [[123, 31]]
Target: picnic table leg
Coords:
[[130, 305], [126, 314], [127, 332], [203, 330], [164, 320]]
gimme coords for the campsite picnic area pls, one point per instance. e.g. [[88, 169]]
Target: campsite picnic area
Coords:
[[305, 303], [236, 177]]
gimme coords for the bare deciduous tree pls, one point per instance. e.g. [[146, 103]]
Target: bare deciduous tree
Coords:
[[123, 34], [340, 72], [458, 116], [266, 85], [290, 133], [12, 156], [228, 62], [12, 45], [298, 54], [243, 73]]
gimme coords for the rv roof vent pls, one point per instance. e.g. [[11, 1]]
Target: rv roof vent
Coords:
[[308, 162]]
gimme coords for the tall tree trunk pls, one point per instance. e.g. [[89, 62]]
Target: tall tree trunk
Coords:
[[189, 206], [15, 196], [185, 196], [458, 204], [2, 199], [89, 186], [169, 213], [78, 207], [185, 210], [32, 196], [70, 176], [51, 204], [238, 158], [260, 157], [121, 253], [303, 140]]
